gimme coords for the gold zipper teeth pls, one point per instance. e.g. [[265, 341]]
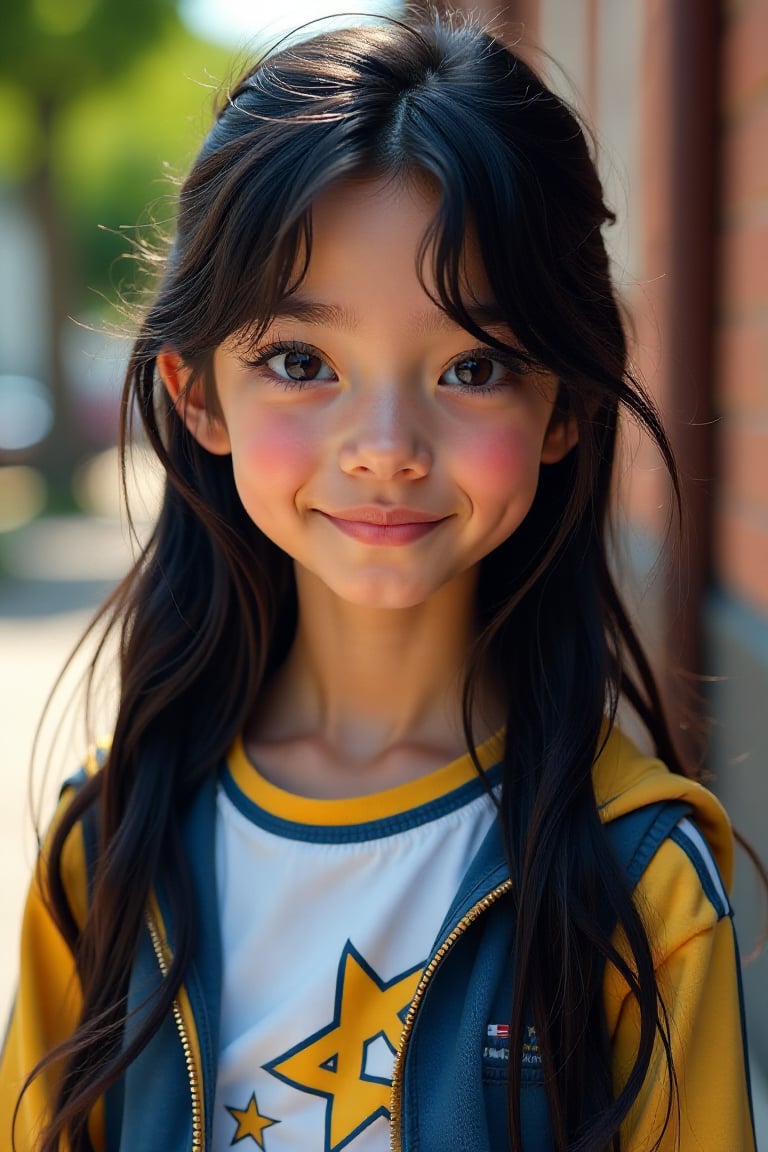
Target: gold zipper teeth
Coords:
[[189, 1059], [395, 1106]]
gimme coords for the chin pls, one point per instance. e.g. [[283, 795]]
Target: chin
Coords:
[[382, 594]]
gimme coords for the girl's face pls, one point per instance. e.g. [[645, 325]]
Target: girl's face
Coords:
[[371, 438]]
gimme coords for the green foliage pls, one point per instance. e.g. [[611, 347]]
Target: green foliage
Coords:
[[20, 134], [121, 152], [96, 97], [55, 49], [117, 147]]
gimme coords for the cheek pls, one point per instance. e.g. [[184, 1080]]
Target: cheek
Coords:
[[271, 458], [501, 464], [271, 461]]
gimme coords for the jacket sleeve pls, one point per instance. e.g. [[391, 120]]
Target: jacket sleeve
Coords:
[[686, 912], [47, 1005]]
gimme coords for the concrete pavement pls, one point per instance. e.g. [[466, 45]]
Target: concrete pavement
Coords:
[[57, 572]]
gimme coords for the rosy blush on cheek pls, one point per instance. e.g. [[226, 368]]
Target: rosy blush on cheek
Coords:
[[277, 452], [499, 461], [271, 463], [500, 476]]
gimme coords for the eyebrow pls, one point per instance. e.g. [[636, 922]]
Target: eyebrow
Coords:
[[346, 319]]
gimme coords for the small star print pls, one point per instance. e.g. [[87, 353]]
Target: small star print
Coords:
[[250, 1123]]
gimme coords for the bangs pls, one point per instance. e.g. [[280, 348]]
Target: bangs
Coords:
[[455, 111], [440, 265]]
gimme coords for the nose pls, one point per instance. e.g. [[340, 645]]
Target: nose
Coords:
[[384, 438]]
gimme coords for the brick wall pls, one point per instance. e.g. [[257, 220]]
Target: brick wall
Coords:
[[741, 398], [736, 620]]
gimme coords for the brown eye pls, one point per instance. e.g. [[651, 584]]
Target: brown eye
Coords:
[[302, 365], [298, 365], [482, 373], [473, 371]]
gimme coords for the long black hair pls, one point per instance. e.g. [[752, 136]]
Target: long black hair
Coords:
[[209, 610]]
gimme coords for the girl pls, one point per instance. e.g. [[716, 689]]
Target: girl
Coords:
[[358, 866]]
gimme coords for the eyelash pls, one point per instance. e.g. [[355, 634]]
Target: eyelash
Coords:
[[517, 366], [280, 348]]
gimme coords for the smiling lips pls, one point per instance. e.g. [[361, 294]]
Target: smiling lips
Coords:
[[379, 525]]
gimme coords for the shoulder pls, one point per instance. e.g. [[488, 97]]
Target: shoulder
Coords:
[[697, 853], [684, 906], [625, 780], [681, 894]]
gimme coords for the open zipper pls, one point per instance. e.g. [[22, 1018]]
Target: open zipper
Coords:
[[396, 1101], [195, 1089], [193, 1076]]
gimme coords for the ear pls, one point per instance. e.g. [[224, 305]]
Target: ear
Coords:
[[560, 437], [188, 400]]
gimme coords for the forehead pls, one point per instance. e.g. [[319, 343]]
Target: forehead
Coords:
[[371, 235]]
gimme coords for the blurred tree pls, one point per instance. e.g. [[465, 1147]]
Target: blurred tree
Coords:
[[121, 151], [54, 51]]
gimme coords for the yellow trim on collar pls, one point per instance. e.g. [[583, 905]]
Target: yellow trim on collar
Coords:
[[358, 809]]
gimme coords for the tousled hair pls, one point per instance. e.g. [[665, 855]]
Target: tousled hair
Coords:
[[209, 610]]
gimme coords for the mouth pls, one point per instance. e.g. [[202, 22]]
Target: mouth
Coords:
[[385, 526], [385, 517]]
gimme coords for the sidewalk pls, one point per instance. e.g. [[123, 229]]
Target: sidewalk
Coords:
[[55, 578]]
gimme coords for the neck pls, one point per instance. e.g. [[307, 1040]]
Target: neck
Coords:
[[367, 682]]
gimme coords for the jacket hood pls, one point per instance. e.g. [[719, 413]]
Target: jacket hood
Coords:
[[625, 779]]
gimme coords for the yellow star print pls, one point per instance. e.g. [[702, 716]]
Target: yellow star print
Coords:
[[250, 1122], [332, 1062]]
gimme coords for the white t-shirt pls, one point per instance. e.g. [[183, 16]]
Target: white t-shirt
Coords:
[[329, 911]]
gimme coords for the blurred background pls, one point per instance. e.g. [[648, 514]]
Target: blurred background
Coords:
[[102, 107]]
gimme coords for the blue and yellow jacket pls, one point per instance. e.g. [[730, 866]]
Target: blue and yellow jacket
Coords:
[[448, 1093]]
